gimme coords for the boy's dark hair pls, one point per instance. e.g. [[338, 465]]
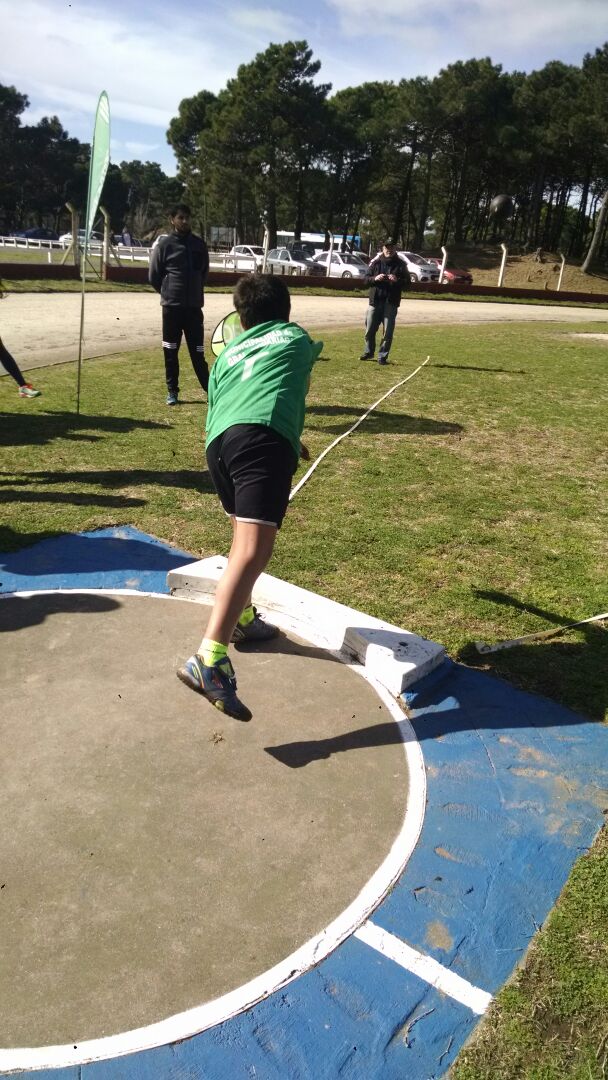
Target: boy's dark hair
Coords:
[[261, 298], [177, 208]]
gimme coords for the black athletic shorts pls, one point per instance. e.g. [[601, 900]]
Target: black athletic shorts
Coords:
[[251, 467]]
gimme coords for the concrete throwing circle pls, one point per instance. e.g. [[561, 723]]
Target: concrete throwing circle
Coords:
[[156, 855]]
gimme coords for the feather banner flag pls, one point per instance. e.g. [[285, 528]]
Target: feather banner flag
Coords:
[[100, 159]]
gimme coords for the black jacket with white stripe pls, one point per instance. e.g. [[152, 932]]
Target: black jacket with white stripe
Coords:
[[179, 265]]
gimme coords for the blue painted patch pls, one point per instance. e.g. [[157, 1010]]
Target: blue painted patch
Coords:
[[119, 558], [516, 789]]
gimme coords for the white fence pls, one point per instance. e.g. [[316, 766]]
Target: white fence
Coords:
[[217, 260]]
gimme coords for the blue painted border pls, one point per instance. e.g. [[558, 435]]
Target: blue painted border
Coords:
[[516, 789]]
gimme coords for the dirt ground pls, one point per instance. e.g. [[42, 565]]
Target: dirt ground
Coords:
[[42, 328]]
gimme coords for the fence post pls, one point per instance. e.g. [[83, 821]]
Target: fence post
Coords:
[[266, 240], [105, 254], [329, 255], [502, 265], [561, 273], [73, 246], [444, 252]]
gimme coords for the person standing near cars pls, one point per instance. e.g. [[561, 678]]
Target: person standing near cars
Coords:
[[387, 276], [179, 265]]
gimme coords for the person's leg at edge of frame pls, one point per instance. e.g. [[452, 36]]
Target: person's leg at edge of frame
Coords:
[[193, 331], [372, 322], [210, 671], [10, 364], [172, 336], [390, 315]]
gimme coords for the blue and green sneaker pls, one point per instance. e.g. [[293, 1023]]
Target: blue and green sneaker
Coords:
[[217, 683]]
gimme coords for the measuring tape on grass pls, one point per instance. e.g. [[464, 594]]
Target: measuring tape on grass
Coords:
[[318, 461]]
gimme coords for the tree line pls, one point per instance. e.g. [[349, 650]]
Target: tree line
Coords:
[[420, 159], [43, 167]]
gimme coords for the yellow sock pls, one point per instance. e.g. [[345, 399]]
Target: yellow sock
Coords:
[[248, 616], [211, 651]]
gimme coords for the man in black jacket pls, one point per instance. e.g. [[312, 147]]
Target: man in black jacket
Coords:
[[178, 269], [387, 275]]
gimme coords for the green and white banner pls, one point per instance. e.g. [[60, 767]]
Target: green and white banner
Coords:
[[100, 159]]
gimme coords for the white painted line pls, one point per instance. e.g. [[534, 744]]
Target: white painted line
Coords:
[[186, 1024], [427, 969]]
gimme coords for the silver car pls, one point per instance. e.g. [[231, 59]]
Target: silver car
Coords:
[[343, 264], [419, 268], [282, 261]]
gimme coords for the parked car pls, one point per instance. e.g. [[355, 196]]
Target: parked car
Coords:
[[343, 264], [420, 269], [302, 249], [246, 257], [118, 241], [95, 237], [282, 261], [453, 275], [36, 234]]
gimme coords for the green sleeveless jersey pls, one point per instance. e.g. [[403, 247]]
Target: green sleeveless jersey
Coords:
[[262, 377]]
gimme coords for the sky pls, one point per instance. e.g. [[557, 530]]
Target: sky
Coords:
[[149, 55]]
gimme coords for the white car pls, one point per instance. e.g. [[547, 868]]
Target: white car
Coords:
[[343, 264], [95, 238], [419, 268], [246, 257]]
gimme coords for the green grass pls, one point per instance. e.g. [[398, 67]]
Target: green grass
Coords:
[[551, 1021], [469, 507]]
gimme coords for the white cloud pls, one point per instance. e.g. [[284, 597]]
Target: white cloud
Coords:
[[140, 147], [477, 27], [67, 57], [269, 24]]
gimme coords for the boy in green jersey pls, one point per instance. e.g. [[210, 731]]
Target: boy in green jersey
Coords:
[[257, 395]]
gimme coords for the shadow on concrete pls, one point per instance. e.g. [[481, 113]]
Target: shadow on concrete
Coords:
[[39, 428], [573, 673], [286, 647], [463, 701], [380, 423], [298, 754], [17, 612]]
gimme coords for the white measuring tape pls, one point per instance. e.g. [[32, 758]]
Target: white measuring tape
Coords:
[[318, 460], [500, 645]]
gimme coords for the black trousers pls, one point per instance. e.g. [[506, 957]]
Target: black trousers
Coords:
[[10, 364], [189, 322]]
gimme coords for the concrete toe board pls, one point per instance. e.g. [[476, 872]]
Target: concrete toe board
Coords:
[[156, 854]]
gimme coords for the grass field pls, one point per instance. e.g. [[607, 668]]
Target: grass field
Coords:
[[470, 507]]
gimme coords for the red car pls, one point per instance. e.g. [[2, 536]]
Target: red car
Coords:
[[453, 275]]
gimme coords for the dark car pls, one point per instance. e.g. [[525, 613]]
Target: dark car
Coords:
[[302, 249], [36, 234], [453, 275]]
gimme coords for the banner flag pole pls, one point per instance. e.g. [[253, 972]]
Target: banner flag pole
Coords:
[[100, 159]]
